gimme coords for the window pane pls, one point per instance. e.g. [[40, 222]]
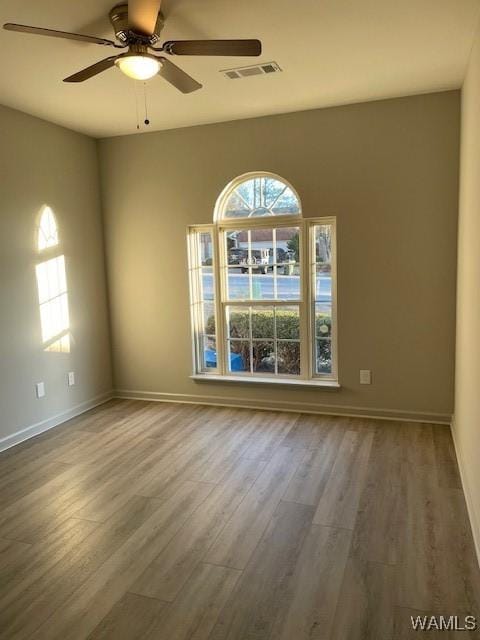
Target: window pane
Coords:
[[273, 190], [288, 244], [209, 318], [324, 356], [264, 357], [239, 355], [262, 244], [263, 324], [238, 284], [288, 354], [261, 260], [208, 288], [246, 192], [323, 299], [323, 243], [263, 285], [206, 249], [287, 203], [323, 320], [209, 352], [236, 206], [288, 323], [261, 196], [323, 284], [237, 256], [288, 282], [288, 269], [202, 273], [255, 251], [238, 319], [283, 256], [236, 246]]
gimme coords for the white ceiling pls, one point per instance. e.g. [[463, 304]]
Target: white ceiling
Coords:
[[331, 52]]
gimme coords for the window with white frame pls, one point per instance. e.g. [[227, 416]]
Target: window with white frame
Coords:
[[52, 286], [262, 286]]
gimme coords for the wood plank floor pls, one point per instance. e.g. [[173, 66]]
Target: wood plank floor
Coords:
[[143, 521]]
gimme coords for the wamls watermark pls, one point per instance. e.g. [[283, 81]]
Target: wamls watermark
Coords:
[[444, 623]]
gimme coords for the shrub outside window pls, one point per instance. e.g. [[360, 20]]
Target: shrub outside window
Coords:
[[262, 286]]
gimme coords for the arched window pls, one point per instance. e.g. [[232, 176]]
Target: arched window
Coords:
[[262, 287], [255, 195], [52, 285]]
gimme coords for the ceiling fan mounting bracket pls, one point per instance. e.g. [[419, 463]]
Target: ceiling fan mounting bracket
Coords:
[[119, 19]]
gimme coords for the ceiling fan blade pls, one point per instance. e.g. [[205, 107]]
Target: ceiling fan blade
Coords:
[[93, 70], [22, 28], [176, 76], [213, 47], [142, 15]]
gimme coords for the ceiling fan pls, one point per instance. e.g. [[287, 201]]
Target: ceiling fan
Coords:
[[137, 27]]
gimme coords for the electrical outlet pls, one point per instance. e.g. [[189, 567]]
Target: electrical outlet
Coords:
[[71, 378], [40, 389], [365, 376]]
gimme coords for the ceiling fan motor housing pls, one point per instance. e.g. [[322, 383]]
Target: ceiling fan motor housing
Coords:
[[121, 27]]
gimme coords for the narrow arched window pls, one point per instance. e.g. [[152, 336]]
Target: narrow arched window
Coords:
[[263, 287], [52, 285]]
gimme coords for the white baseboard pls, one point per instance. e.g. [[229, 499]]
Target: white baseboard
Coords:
[[472, 513], [54, 421], [296, 407]]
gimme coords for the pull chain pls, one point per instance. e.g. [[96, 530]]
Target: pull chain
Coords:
[[147, 121], [135, 84]]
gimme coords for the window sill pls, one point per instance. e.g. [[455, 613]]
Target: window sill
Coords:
[[207, 377]]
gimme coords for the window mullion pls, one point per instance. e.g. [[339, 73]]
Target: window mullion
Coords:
[[249, 262], [194, 294], [312, 266], [251, 338], [305, 340], [274, 264], [334, 336], [219, 267], [275, 338]]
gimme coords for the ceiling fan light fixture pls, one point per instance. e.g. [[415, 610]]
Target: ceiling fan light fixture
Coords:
[[138, 67]]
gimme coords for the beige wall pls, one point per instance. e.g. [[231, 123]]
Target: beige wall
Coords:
[[388, 170], [467, 389], [41, 163]]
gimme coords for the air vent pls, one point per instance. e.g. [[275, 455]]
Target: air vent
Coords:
[[255, 70]]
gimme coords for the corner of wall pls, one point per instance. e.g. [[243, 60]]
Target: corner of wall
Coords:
[[471, 509], [105, 258], [466, 420]]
